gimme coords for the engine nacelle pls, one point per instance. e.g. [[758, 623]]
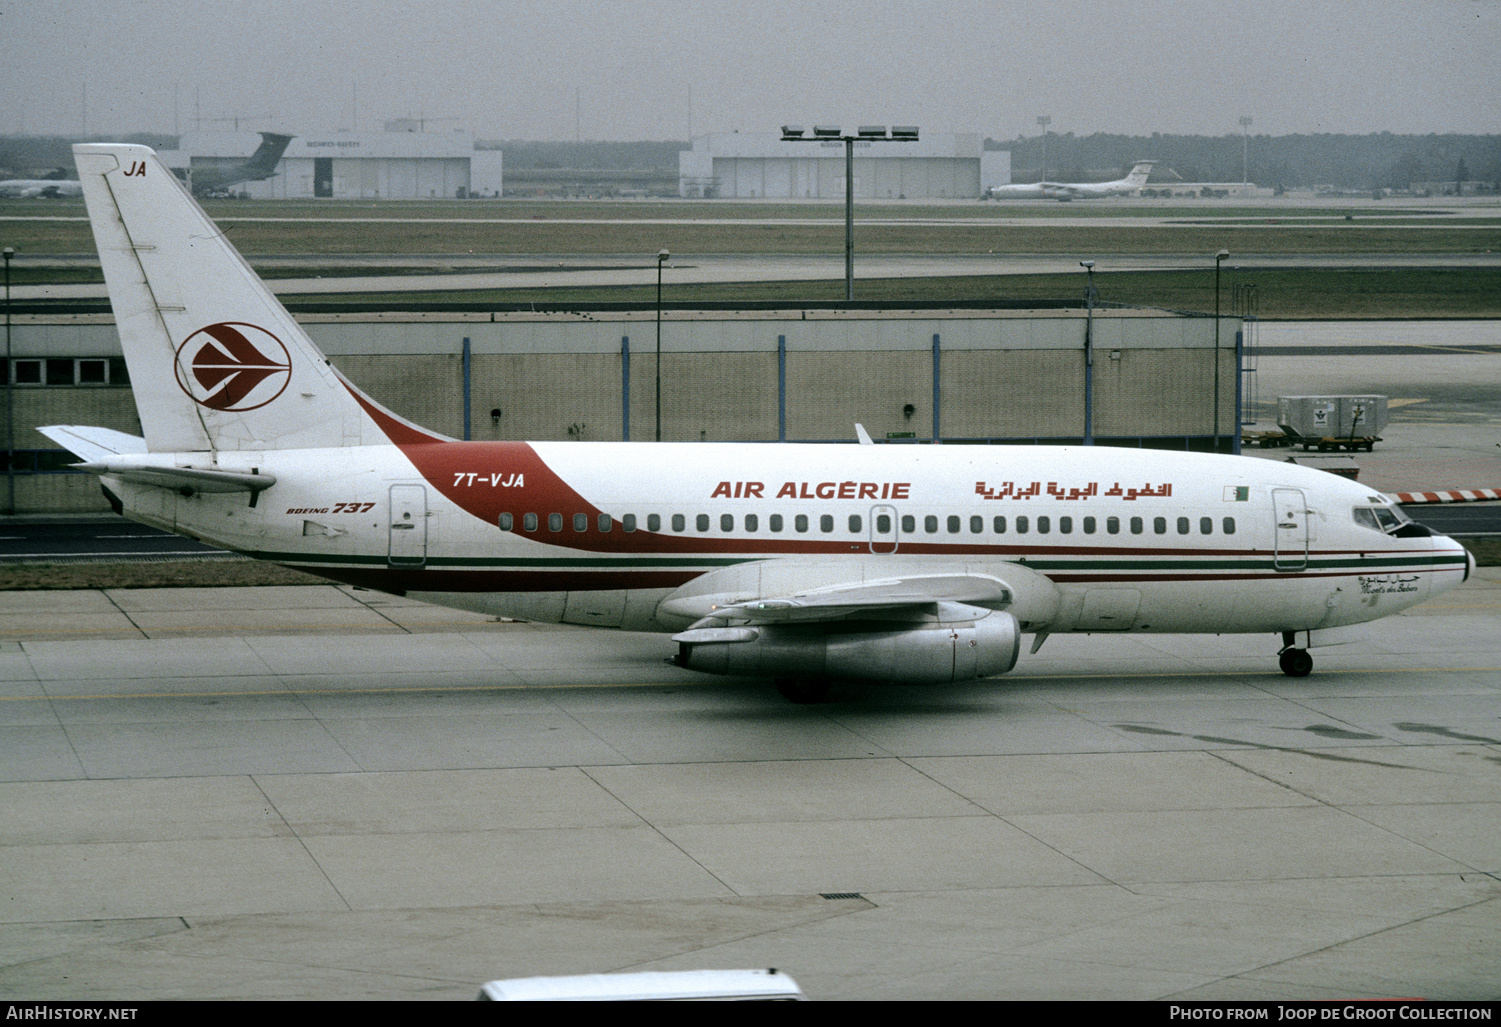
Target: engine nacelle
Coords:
[[935, 654]]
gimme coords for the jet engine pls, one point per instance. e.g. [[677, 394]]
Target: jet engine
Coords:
[[897, 652]]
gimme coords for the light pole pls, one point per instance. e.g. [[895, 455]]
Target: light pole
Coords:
[[1043, 121], [10, 405], [1245, 151], [661, 256], [866, 134], [1215, 350], [1089, 298]]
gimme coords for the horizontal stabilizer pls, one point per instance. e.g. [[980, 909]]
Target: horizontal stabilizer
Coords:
[[193, 479], [94, 444]]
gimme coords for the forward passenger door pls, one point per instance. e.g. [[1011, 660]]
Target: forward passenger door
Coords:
[[1290, 539], [883, 537]]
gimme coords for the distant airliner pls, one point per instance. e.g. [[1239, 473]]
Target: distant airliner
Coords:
[[262, 163], [1075, 190], [799, 563], [40, 188]]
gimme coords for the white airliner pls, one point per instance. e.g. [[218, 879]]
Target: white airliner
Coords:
[[40, 188], [799, 563], [1075, 190]]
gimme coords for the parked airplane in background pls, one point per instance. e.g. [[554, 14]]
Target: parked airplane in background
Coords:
[[40, 188], [1075, 190], [799, 563], [208, 179]]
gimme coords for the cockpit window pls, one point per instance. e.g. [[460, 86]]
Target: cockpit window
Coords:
[[1380, 518]]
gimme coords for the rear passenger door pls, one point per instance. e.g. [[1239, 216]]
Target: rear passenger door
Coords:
[[408, 530]]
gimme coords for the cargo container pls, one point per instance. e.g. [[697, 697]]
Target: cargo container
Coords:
[[1332, 417]]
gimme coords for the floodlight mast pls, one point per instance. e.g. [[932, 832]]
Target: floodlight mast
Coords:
[[1089, 297], [865, 133]]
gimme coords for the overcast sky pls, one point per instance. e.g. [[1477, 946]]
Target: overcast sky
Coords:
[[650, 69]]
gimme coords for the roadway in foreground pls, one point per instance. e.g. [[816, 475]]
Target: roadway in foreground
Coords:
[[316, 792]]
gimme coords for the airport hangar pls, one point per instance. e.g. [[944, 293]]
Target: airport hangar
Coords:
[[955, 376], [401, 163], [755, 165]]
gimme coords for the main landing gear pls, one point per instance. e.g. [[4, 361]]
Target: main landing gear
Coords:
[[803, 690], [1295, 662]]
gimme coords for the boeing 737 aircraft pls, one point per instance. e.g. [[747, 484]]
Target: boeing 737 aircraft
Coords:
[[1075, 190], [800, 563]]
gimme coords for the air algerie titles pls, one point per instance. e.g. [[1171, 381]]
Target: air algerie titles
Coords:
[[812, 490]]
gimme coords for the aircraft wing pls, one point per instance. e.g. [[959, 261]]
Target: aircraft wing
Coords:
[[783, 591], [846, 600]]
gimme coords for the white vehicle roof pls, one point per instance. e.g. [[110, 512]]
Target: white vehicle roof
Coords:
[[677, 985]]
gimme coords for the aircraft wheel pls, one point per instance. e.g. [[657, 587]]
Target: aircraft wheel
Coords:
[[803, 690], [1296, 663]]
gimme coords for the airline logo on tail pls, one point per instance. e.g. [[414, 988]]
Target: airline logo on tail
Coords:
[[233, 366]]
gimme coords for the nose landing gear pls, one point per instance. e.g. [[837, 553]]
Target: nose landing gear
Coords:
[[1295, 662]]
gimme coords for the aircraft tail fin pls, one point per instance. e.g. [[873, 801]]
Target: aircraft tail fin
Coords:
[[266, 156], [1140, 172], [215, 360]]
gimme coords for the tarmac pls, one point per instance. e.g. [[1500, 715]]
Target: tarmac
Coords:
[[316, 792]]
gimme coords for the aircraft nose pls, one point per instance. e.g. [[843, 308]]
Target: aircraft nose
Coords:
[[1445, 542]]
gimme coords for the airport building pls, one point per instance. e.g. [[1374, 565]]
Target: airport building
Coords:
[[755, 165], [401, 163], [973, 377]]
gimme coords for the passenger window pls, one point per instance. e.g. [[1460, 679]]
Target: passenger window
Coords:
[[909, 524], [999, 524], [679, 522], [883, 524], [1159, 525], [1089, 525], [653, 522], [1136, 525], [604, 522], [800, 523], [953, 521], [1044, 525], [554, 522], [1206, 525], [752, 522], [930, 524], [1113, 525], [701, 522], [1183, 525], [628, 522], [826, 523], [580, 522], [726, 522], [1229, 525], [505, 522], [976, 525], [1066, 525], [529, 522], [776, 522], [1021, 525], [855, 524]]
